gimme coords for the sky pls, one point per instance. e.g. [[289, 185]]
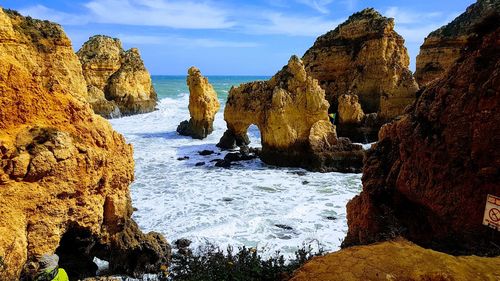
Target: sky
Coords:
[[229, 37]]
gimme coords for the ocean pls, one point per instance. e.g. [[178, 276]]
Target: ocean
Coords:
[[251, 204]]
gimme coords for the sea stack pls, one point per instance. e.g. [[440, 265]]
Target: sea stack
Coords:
[[292, 114], [428, 177], [365, 57], [118, 82], [443, 47], [203, 105], [64, 172]]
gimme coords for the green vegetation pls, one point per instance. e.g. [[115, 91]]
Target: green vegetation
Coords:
[[244, 265]]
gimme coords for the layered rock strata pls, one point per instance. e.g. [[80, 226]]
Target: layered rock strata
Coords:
[[443, 47], [117, 80], [397, 260], [291, 113], [428, 176], [365, 57], [64, 172], [203, 105]]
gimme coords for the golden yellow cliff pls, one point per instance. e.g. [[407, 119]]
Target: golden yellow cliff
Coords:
[[291, 113], [203, 105], [64, 172], [118, 82]]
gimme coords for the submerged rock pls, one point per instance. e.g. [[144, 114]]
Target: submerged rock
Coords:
[[64, 172], [203, 105], [292, 115], [443, 47], [117, 80], [366, 58], [428, 176]]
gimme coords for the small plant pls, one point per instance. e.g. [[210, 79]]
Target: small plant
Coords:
[[244, 265]]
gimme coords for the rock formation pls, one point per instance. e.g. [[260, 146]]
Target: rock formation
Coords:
[[117, 80], [292, 114], [398, 260], [363, 56], [64, 172], [443, 47], [203, 105], [428, 176]]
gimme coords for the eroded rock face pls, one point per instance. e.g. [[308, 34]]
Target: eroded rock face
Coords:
[[443, 47], [363, 56], [291, 113], [118, 82], [428, 176], [203, 105], [397, 260], [64, 172]]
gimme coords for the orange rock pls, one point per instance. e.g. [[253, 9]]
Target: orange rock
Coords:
[[397, 260], [62, 168]]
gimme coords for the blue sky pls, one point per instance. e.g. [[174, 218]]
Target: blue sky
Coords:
[[229, 37]]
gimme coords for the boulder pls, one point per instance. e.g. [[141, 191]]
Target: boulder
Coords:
[[396, 260], [292, 114], [203, 105], [64, 172], [117, 80], [428, 176], [443, 47], [365, 57]]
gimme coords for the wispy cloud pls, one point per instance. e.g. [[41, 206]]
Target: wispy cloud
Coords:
[[318, 5], [175, 14], [183, 41], [42, 12], [277, 23]]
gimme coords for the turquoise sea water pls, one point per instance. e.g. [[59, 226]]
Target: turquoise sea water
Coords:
[[238, 206]]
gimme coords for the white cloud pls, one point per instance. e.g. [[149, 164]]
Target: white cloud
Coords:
[[183, 41], [175, 14], [42, 12], [318, 5], [277, 23], [409, 17]]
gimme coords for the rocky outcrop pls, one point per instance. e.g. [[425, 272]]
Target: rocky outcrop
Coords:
[[397, 260], [428, 176], [291, 113], [203, 105], [443, 47], [363, 56], [118, 82], [64, 172]]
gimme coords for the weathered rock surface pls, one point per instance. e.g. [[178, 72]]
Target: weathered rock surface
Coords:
[[363, 56], [443, 47], [203, 105], [397, 260], [428, 176], [64, 172], [118, 82], [292, 114]]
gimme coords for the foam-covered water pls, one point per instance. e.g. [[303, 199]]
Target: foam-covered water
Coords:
[[250, 204]]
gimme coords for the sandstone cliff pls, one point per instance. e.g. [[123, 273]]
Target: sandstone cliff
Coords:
[[118, 82], [428, 176], [363, 56], [64, 172], [397, 260], [443, 47], [291, 113], [203, 105]]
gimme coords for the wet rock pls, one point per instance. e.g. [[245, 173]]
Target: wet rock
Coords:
[[305, 182], [222, 163], [331, 218], [183, 158], [284, 226], [206, 152], [199, 164]]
